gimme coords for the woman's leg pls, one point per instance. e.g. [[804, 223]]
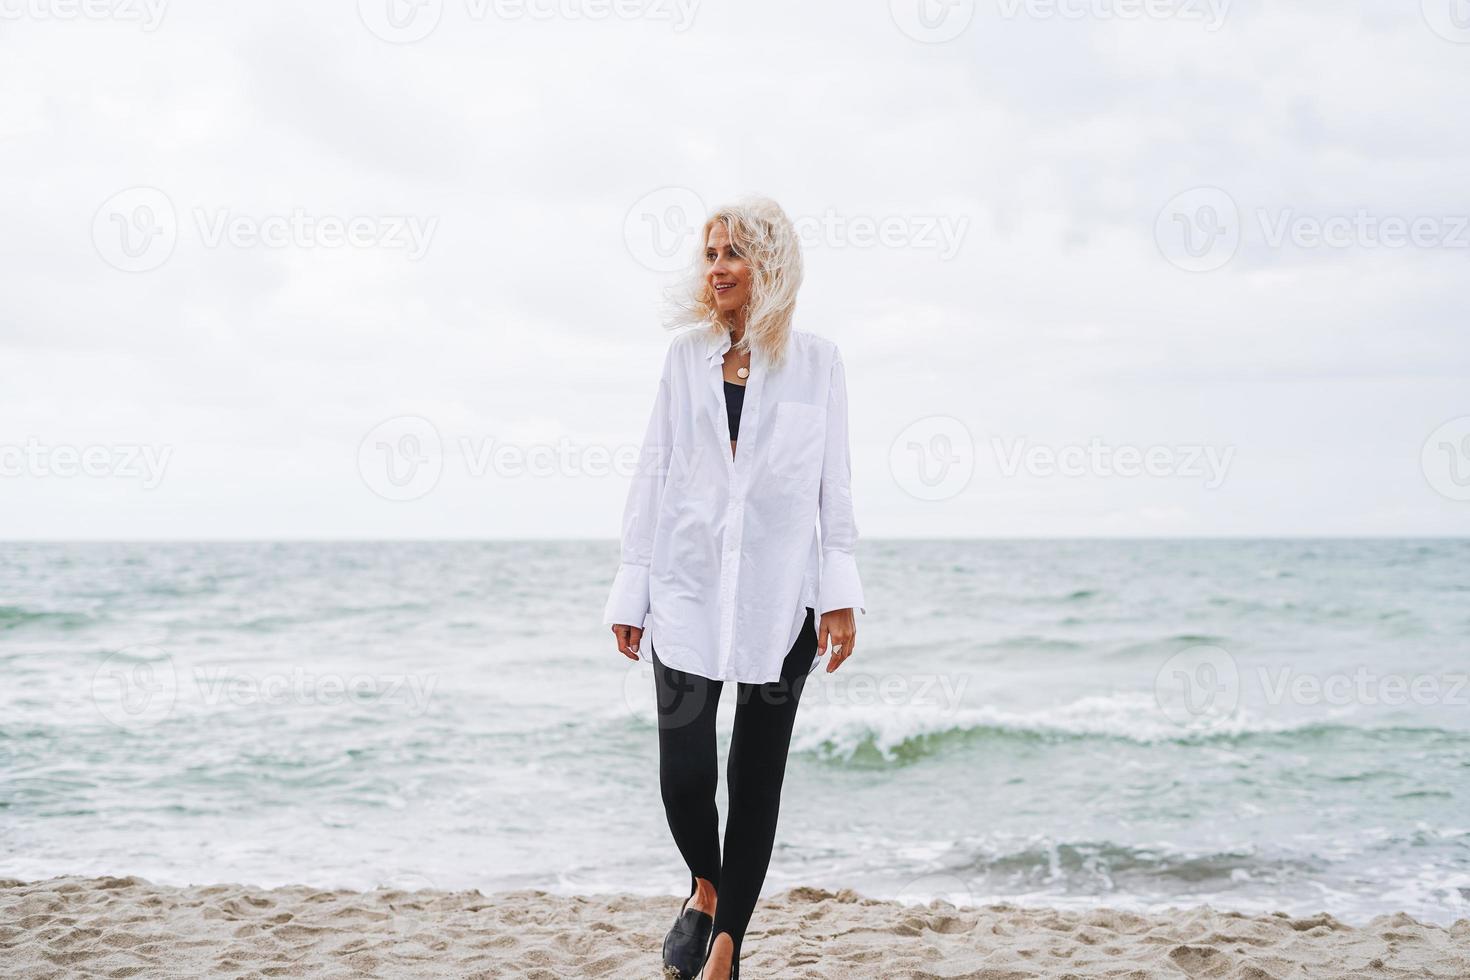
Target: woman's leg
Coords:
[[764, 716], [688, 766]]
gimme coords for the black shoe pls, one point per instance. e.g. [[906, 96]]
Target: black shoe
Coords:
[[686, 947]]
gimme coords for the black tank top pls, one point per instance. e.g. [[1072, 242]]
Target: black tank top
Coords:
[[734, 399]]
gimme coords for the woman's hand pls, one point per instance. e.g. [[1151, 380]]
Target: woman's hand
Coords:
[[628, 637], [839, 626]]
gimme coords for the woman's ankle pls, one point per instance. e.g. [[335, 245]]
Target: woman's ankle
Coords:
[[721, 958], [704, 898]]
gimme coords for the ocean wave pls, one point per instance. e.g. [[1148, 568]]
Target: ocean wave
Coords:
[[15, 617], [885, 735], [1033, 642], [1106, 865], [1169, 645]]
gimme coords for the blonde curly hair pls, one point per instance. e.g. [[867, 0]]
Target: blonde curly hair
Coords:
[[761, 232]]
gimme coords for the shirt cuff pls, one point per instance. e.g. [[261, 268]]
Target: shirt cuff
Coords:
[[628, 603], [841, 588]]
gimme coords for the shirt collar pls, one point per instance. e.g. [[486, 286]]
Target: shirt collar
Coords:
[[716, 345]]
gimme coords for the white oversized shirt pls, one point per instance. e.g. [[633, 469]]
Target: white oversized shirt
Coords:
[[721, 555]]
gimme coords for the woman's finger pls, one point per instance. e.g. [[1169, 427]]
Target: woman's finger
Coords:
[[842, 647], [623, 635]]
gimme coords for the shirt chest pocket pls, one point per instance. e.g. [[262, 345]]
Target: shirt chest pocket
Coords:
[[797, 441]]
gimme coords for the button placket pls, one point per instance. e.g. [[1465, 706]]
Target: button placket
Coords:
[[739, 470]]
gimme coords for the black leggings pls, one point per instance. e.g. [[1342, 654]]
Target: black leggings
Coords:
[[688, 773]]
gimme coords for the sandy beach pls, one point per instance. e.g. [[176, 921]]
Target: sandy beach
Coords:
[[130, 927]]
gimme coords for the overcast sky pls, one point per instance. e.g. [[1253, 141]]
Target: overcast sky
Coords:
[[345, 270]]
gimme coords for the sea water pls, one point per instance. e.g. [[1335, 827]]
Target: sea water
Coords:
[[1253, 725]]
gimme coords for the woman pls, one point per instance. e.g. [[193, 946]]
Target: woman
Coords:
[[724, 571]]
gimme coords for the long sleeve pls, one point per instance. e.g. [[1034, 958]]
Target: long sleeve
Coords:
[[629, 602], [841, 587]]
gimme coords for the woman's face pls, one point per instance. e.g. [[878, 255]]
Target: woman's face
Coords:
[[726, 270]]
